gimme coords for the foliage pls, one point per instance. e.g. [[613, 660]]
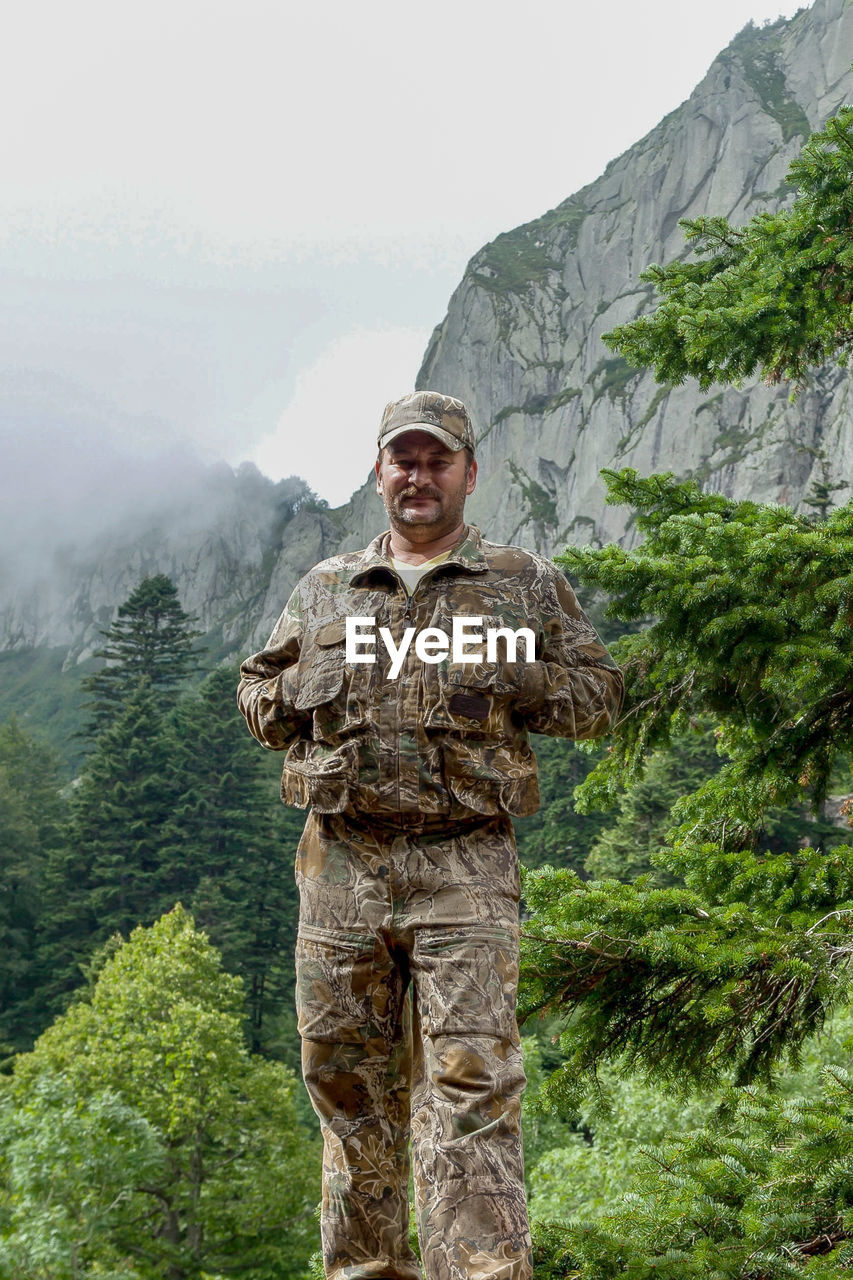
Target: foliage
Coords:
[[775, 294], [751, 607], [111, 872], [557, 833], [586, 1175], [764, 1193], [721, 979], [211, 1173], [543, 1128], [235, 843], [629, 846], [687, 983], [31, 814], [173, 804], [45, 697], [151, 639], [68, 1169], [626, 848], [744, 960], [590, 1172]]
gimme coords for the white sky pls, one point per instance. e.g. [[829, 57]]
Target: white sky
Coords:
[[232, 227]]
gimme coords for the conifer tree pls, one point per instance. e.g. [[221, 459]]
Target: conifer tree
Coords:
[[720, 979], [174, 805], [626, 847], [232, 847], [31, 830], [114, 870], [150, 639], [774, 295], [558, 833]]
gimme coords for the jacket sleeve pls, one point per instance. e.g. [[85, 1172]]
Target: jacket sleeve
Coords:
[[575, 689], [267, 691]]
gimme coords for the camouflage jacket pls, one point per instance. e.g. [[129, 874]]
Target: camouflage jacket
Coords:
[[443, 737]]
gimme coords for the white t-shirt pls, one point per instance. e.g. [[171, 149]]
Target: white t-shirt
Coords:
[[412, 573]]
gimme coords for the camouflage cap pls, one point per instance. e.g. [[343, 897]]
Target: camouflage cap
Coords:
[[441, 416]]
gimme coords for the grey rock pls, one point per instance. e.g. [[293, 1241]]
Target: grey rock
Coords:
[[522, 337]]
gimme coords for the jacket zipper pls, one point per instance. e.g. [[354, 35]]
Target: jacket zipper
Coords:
[[407, 618]]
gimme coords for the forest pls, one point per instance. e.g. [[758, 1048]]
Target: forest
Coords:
[[688, 892]]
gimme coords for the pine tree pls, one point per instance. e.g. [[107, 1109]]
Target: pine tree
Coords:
[[678, 976], [626, 848], [174, 805], [774, 295], [558, 833], [115, 868], [722, 978], [31, 822], [151, 639], [233, 846]]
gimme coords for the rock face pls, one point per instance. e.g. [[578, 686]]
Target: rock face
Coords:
[[234, 544], [521, 344]]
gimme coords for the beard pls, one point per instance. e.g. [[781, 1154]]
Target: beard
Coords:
[[443, 513]]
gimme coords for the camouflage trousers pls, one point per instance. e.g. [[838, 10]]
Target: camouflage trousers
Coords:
[[407, 969]]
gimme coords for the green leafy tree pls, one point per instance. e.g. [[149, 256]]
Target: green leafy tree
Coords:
[[69, 1166], [151, 639], [586, 1175], [140, 1139]]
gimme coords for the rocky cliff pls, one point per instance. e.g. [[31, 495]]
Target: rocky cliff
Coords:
[[521, 344]]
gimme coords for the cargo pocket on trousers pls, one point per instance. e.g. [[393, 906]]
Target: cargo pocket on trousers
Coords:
[[343, 989], [466, 979]]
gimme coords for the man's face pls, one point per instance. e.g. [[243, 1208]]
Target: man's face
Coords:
[[424, 485]]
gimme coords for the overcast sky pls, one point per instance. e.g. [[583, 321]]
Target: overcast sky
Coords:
[[227, 230]]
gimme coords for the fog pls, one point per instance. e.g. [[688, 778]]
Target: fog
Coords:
[[228, 233], [69, 479], [118, 390]]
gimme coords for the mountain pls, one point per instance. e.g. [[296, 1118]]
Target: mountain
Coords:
[[521, 344]]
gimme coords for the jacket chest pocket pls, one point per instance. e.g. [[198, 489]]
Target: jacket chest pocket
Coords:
[[475, 697], [337, 694]]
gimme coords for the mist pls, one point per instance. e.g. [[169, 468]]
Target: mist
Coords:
[[205, 270], [69, 482]]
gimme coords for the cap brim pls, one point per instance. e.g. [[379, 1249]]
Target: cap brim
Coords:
[[452, 442]]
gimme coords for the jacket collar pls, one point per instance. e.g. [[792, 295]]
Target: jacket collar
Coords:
[[467, 555]]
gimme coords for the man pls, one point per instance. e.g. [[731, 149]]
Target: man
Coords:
[[408, 739]]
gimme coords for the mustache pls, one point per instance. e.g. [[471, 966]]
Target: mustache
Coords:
[[413, 492]]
